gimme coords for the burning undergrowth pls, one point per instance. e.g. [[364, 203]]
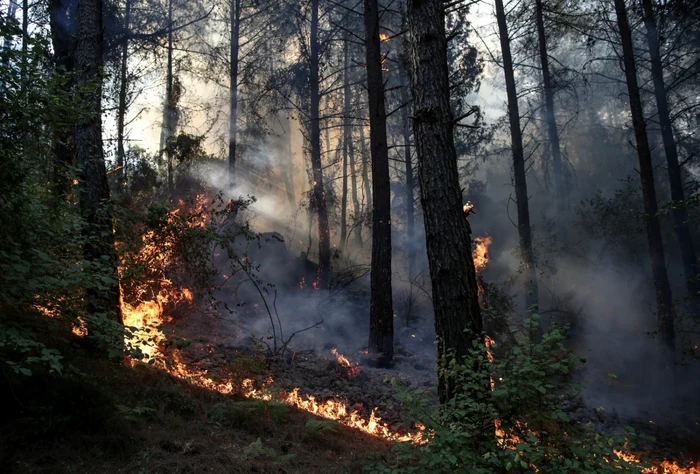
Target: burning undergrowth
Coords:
[[206, 280]]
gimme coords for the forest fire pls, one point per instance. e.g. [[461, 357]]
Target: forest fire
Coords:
[[330, 409], [481, 252], [660, 467], [345, 366]]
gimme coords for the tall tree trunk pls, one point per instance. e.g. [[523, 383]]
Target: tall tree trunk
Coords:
[[664, 301], [680, 217], [11, 12], [94, 189], [324, 248], [454, 289], [353, 169], [381, 312], [233, 84], [560, 190], [347, 142], [62, 135], [25, 41], [410, 185], [121, 110], [524, 231], [168, 129], [288, 168], [366, 182]]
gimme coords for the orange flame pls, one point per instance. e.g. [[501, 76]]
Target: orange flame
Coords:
[[481, 252], [352, 369], [660, 467], [384, 37]]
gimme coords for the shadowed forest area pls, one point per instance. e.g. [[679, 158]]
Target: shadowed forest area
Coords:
[[353, 236]]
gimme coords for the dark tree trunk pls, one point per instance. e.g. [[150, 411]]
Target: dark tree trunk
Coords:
[[454, 289], [347, 143], [353, 172], [62, 135], [233, 84], [680, 217], [11, 12], [169, 114], [94, 189], [381, 312], [121, 111], [664, 300], [366, 183], [25, 40], [410, 186], [324, 248], [524, 231], [560, 190], [288, 169]]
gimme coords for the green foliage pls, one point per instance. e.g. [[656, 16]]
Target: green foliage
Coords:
[[618, 220], [530, 404], [320, 426], [257, 450], [43, 276], [135, 413]]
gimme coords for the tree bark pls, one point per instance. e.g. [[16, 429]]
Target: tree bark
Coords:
[[121, 111], [347, 143], [560, 190], [665, 311], [169, 113], [680, 217], [454, 289], [233, 81], [11, 12], [64, 50], [381, 312], [288, 169], [353, 170], [521, 198], [94, 189], [410, 186], [324, 248]]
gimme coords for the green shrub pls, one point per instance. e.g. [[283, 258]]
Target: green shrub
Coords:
[[527, 393]]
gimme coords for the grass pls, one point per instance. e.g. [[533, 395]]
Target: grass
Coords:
[[102, 417]]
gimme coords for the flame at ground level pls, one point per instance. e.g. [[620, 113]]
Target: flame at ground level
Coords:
[[660, 467], [329, 409]]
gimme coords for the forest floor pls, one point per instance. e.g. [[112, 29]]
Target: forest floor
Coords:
[[106, 417], [102, 417]]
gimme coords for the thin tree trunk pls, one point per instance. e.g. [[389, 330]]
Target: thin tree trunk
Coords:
[[410, 186], [680, 217], [560, 190], [288, 168], [64, 48], [324, 248], [25, 41], [381, 312], [11, 12], [664, 301], [366, 183], [524, 231], [454, 289], [168, 128], [94, 188], [121, 111], [347, 143], [353, 173], [233, 81]]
